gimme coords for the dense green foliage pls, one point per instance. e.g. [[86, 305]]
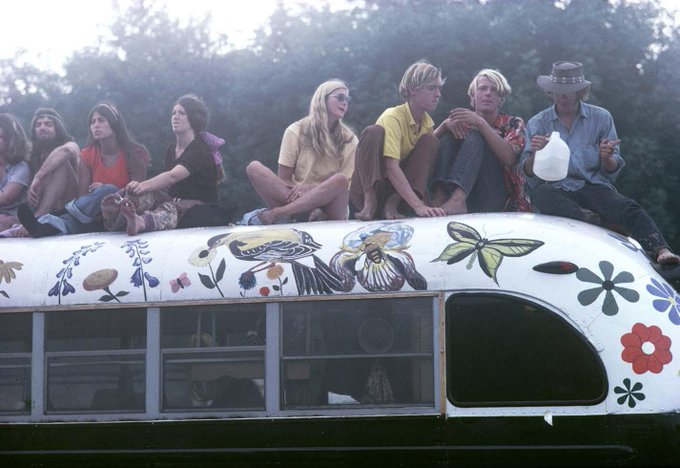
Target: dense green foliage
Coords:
[[151, 59]]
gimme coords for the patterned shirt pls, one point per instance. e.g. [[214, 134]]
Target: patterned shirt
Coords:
[[511, 129]]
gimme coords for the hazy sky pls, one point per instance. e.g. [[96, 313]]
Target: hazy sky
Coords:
[[52, 30]]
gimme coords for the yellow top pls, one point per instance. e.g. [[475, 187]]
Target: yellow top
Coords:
[[401, 131], [309, 167]]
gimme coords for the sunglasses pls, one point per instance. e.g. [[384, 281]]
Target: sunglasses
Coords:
[[342, 98]]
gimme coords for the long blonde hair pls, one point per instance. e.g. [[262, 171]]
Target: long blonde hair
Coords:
[[322, 139]]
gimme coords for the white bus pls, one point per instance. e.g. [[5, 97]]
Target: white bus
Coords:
[[476, 338]]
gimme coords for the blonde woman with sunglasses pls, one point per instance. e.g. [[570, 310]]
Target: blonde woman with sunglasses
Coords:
[[315, 163]]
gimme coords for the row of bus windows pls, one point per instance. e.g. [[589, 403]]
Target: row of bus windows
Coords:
[[323, 355], [213, 358]]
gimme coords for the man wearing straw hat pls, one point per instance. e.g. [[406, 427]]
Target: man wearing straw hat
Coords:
[[594, 162]]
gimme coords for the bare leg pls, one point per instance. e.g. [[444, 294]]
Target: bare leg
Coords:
[[392, 207], [438, 194], [456, 204], [268, 185], [135, 223], [7, 221], [331, 196], [370, 205], [57, 188], [318, 214]]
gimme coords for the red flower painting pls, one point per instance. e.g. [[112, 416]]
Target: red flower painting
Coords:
[[646, 348]]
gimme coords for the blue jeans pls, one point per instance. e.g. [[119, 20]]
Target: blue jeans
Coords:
[[606, 202], [471, 165], [83, 214]]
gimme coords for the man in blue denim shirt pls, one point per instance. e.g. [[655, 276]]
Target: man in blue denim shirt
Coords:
[[594, 162]]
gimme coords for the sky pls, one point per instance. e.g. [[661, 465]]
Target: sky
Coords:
[[50, 31]]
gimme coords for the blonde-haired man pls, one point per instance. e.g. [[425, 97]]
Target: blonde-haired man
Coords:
[[394, 156], [476, 169]]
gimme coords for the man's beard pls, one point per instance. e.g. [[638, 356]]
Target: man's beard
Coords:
[[45, 147]]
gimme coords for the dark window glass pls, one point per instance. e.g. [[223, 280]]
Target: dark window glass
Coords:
[[359, 352], [213, 357], [15, 363], [96, 360], [504, 351]]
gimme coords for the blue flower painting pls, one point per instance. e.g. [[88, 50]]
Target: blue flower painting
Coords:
[[666, 300]]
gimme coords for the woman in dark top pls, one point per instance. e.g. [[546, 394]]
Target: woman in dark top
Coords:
[[193, 168]]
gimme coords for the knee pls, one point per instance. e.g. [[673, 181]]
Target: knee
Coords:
[[372, 131], [339, 181], [428, 144], [254, 168], [474, 135]]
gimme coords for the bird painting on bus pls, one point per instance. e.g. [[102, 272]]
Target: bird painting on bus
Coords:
[[386, 264], [277, 245]]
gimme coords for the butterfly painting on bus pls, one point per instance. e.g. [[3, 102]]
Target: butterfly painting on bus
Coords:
[[489, 252]]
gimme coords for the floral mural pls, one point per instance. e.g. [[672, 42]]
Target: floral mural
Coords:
[[666, 299], [139, 251], [7, 273], [646, 348], [102, 280], [609, 284], [629, 394], [62, 287]]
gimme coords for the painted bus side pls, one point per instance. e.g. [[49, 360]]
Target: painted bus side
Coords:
[[468, 338]]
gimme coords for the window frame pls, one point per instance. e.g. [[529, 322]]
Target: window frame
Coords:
[[556, 317]]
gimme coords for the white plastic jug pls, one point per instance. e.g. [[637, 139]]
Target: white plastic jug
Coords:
[[552, 162]]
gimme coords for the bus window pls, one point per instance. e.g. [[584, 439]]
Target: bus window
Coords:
[[95, 360], [213, 357], [15, 363], [504, 351], [359, 352]]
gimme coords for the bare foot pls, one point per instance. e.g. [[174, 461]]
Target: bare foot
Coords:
[[393, 214], [454, 205], [370, 205], [318, 214], [391, 210], [438, 196], [266, 217], [135, 223], [666, 257]]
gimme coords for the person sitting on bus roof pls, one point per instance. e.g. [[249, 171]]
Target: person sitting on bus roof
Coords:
[[15, 174], [193, 169], [394, 157], [54, 162], [594, 162], [476, 168], [111, 159], [315, 164]]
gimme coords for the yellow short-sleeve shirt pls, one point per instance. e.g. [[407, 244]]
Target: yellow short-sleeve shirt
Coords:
[[401, 131], [309, 167]]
